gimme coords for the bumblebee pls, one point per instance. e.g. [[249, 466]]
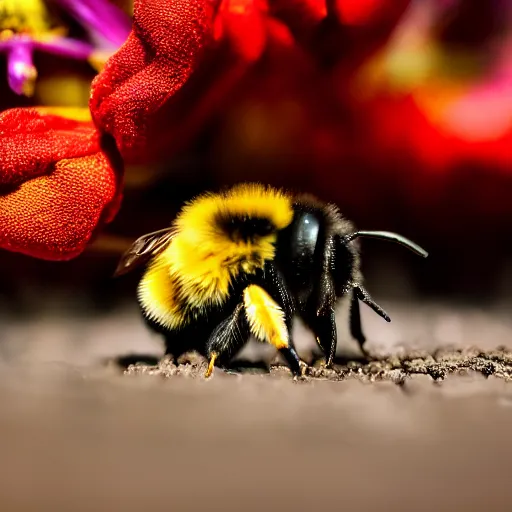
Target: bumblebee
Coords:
[[244, 262]]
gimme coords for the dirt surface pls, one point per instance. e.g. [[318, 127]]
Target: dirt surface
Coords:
[[81, 440], [79, 433], [395, 369]]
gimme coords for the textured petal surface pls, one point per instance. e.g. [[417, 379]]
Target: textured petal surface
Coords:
[[163, 49], [31, 141], [56, 185]]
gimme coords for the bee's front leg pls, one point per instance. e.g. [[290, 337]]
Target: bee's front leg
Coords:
[[356, 329]]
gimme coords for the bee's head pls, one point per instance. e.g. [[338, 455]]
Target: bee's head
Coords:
[[319, 236], [300, 242], [303, 234]]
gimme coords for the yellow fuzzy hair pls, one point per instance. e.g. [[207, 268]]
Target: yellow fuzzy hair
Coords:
[[196, 269], [266, 318], [157, 296]]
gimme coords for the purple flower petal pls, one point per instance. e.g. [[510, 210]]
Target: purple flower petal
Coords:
[[108, 27], [21, 73], [65, 47], [101, 18]]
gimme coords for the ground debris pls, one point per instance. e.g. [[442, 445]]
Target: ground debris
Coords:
[[396, 368]]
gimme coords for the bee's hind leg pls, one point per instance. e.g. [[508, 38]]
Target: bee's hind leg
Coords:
[[227, 338]]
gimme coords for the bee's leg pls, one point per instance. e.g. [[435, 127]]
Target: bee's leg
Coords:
[[356, 329], [319, 313], [361, 293], [293, 360], [274, 283], [227, 338], [326, 335], [268, 322]]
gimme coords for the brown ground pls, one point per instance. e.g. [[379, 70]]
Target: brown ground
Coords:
[[396, 369], [77, 434]]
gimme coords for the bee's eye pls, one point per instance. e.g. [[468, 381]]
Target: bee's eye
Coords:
[[307, 232], [304, 235]]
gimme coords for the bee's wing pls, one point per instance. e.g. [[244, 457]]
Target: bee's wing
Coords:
[[143, 249]]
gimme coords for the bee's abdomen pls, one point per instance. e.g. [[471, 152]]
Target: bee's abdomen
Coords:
[[173, 301], [160, 299]]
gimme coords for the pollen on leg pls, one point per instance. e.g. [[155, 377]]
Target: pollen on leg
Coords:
[[266, 319]]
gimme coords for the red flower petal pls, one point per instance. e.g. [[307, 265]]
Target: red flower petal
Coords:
[[300, 13], [29, 141], [163, 49], [56, 185], [243, 23]]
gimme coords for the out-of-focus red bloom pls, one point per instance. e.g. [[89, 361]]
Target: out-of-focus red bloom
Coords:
[[279, 83], [186, 60], [162, 51], [57, 186], [435, 104]]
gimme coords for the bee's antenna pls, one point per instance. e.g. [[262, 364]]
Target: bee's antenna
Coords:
[[387, 235], [365, 297]]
